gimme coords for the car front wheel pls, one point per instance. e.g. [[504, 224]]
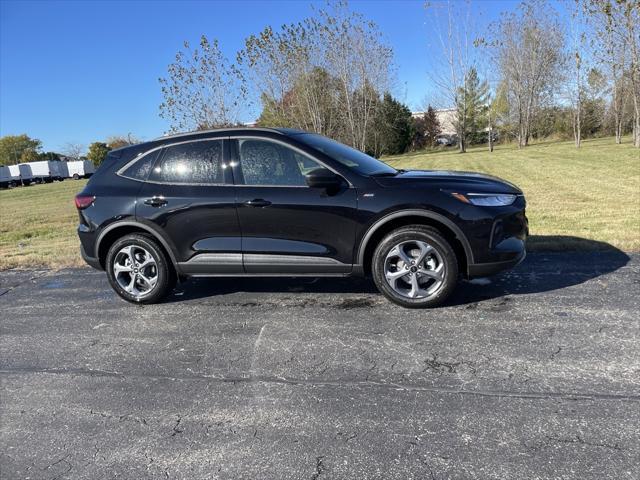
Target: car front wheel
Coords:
[[138, 270], [414, 266]]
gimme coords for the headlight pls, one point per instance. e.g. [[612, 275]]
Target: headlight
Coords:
[[486, 199]]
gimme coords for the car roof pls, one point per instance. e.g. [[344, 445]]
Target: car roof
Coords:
[[233, 130]]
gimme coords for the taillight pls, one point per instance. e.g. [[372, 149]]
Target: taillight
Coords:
[[84, 201]]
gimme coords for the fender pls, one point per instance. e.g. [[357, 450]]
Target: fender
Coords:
[[142, 226], [415, 213]]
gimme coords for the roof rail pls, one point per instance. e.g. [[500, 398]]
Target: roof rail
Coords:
[[213, 130]]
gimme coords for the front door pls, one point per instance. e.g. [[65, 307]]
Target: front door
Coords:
[[288, 227], [189, 196]]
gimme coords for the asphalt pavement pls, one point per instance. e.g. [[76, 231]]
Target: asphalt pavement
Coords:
[[534, 374]]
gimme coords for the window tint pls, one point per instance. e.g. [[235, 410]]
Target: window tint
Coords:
[[140, 169], [195, 162], [270, 163]]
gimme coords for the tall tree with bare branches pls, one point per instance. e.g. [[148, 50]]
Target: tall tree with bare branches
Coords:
[[202, 89], [616, 35], [529, 48]]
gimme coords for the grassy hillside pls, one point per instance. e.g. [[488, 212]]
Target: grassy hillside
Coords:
[[574, 196], [38, 225]]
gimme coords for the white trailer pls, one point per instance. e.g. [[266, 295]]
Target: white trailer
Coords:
[[21, 173], [41, 171], [80, 169], [6, 180]]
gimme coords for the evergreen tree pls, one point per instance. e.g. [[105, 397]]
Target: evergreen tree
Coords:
[[470, 103], [393, 127], [431, 126]]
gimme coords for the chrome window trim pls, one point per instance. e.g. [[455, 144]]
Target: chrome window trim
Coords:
[[120, 171], [292, 147]]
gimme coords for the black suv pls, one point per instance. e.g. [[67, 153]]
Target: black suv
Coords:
[[279, 202]]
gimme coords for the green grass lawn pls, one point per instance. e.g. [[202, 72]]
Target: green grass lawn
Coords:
[[38, 225], [575, 199]]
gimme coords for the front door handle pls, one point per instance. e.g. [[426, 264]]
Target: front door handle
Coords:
[[257, 202], [155, 201]]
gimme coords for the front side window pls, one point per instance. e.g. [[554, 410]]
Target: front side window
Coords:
[[190, 163], [269, 163]]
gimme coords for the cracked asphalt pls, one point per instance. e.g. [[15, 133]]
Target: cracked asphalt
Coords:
[[533, 375]]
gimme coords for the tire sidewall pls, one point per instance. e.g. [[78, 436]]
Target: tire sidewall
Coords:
[[164, 275], [433, 238]]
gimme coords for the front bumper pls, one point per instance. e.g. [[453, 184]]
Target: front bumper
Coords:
[[511, 252]]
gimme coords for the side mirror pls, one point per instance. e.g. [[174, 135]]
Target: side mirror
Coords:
[[323, 178]]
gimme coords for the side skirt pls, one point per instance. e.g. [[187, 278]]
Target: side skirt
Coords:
[[263, 265]]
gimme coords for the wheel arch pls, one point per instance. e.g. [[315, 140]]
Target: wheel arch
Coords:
[[119, 229], [384, 225]]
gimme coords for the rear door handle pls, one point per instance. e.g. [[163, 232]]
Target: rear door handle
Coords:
[[155, 201], [257, 202]]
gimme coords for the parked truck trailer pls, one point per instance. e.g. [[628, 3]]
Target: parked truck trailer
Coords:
[[6, 180], [21, 173], [80, 169]]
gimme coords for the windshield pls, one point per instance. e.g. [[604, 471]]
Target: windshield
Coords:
[[349, 157]]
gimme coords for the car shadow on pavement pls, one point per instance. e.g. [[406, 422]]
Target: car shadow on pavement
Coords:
[[543, 270]]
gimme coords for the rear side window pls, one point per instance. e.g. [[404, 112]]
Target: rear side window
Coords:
[[140, 170], [190, 163]]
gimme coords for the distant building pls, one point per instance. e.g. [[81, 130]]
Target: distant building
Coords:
[[446, 117]]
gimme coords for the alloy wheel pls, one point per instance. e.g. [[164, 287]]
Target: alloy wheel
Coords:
[[414, 269], [135, 270]]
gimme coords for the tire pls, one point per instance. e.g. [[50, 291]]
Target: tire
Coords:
[[436, 274], [76, 176], [148, 284]]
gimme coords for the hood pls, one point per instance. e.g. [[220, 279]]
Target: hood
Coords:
[[466, 182]]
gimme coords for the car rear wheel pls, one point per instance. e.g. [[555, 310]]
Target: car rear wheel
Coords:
[[414, 266], [138, 270]]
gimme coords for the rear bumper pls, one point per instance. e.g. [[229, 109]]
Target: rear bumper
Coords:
[[91, 261], [510, 252]]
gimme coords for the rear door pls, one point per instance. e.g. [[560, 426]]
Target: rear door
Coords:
[[189, 197], [288, 227]]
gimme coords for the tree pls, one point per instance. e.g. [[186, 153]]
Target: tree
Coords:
[[118, 141], [18, 148], [528, 45], [202, 89], [391, 134], [455, 34], [470, 103], [49, 156], [325, 74], [617, 37], [576, 83], [73, 150], [432, 128], [98, 152]]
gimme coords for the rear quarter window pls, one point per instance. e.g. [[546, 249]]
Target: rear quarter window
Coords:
[[140, 169]]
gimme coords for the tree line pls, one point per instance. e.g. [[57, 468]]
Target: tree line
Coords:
[[526, 76], [16, 149]]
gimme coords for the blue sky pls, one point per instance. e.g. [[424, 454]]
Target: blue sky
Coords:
[[79, 71]]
